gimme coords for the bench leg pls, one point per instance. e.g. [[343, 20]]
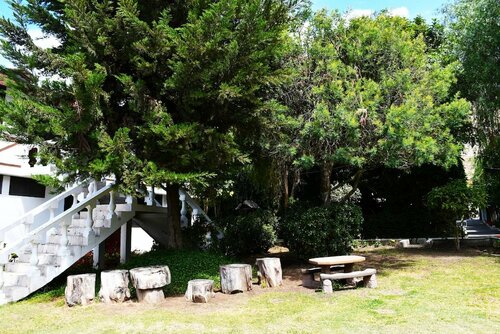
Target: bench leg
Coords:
[[370, 281], [327, 286], [308, 281], [348, 269]]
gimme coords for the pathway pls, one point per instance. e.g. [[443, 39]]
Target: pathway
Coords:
[[477, 229]]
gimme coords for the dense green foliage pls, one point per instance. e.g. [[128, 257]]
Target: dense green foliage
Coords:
[[473, 38], [321, 231], [150, 92], [184, 266], [371, 94], [455, 201], [234, 99], [248, 233]]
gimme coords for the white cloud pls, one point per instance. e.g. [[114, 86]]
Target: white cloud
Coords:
[[42, 40], [400, 11], [354, 13]]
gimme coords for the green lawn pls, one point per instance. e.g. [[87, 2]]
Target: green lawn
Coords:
[[419, 291]]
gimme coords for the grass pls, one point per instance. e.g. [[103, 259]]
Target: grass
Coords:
[[420, 291]]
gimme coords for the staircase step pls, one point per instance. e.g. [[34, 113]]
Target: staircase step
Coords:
[[43, 258], [16, 279], [3, 298], [48, 248], [19, 267], [101, 211], [79, 222], [98, 222], [15, 292], [77, 240], [47, 270], [76, 230]]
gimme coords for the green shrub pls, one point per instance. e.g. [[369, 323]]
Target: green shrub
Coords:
[[246, 234], [321, 231], [184, 265], [195, 236]]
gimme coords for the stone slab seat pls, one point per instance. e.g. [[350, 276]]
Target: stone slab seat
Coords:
[[308, 275], [369, 276], [318, 269]]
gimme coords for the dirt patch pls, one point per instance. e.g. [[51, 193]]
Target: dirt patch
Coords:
[[384, 260], [220, 303]]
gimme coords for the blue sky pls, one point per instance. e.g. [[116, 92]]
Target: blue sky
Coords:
[[410, 8], [426, 8]]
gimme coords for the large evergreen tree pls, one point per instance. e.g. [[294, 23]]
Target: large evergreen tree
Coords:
[[473, 36], [151, 92], [371, 94]]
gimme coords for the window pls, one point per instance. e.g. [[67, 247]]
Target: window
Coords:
[[20, 186]]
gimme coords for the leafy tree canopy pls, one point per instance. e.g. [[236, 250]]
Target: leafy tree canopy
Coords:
[[158, 92]]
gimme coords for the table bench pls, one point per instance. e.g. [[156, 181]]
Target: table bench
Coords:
[[369, 277], [308, 280]]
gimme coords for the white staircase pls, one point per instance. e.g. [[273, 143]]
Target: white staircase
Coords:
[[40, 253]]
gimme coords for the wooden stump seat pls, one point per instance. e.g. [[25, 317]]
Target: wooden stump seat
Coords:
[[200, 290], [235, 278], [269, 273], [149, 282], [80, 289], [114, 286]]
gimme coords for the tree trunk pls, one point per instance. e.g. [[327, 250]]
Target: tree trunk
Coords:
[[200, 290], [80, 289], [149, 282], [174, 217], [324, 187], [285, 197], [235, 278], [114, 286], [295, 183], [270, 273], [355, 183]]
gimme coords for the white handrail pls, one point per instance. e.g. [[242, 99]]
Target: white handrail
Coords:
[[66, 215], [39, 209], [192, 203]]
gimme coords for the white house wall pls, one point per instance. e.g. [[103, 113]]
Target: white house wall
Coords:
[[14, 162]]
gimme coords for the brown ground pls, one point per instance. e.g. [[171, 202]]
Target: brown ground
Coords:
[[291, 281]]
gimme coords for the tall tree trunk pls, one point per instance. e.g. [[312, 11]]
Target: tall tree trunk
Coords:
[[355, 183], [324, 186], [285, 195], [295, 183], [174, 217]]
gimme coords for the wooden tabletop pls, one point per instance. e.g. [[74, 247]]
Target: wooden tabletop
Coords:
[[333, 260]]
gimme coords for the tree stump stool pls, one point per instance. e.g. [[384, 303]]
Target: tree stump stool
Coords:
[[200, 290], [149, 282], [114, 286], [235, 278], [80, 289], [269, 273]]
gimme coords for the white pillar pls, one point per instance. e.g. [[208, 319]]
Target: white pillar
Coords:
[[99, 256], [123, 243], [6, 185], [184, 219], [95, 253]]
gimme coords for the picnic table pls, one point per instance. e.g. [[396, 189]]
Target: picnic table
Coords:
[[326, 262]]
